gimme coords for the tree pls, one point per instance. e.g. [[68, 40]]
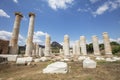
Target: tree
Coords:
[[90, 48], [115, 47]]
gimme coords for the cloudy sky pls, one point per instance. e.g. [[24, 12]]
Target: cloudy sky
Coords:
[[60, 17]]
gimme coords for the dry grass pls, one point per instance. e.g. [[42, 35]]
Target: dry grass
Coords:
[[104, 71]]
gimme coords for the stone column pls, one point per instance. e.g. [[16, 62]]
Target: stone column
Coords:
[[77, 43], [83, 45], [66, 46], [74, 49], [40, 52], [95, 45], [15, 34], [107, 45], [34, 49], [28, 51], [47, 45], [61, 51], [37, 49]]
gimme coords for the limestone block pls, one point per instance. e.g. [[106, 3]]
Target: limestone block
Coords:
[[43, 59], [36, 60], [10, 57], [3, 60], [24, 60], [56, 67], [116, 58], [80, 58], [66, 59], [110, 60], [88, 63], [99, 58]]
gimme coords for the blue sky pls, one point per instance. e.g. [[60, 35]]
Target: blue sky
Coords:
[[60, 17]]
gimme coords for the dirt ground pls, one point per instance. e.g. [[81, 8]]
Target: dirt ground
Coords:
[[104, 71]]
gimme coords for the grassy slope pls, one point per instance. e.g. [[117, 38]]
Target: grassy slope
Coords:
[[104, 71]]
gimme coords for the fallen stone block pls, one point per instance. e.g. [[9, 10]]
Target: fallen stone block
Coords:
[[3, 60], [110, 60], [66, 60], [43, 59], [88, 63], [116, 58], [80, 58], [36, 60], [56, 67], [24, 60], [100, 58], [10, 57]]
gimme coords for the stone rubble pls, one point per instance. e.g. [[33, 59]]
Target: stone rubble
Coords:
[[88, 63], [10, 57], [56, 67], [24, 60]]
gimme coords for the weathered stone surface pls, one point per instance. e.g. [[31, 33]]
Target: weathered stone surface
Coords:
[[3, 60], [10, 57], [100, 58], [74, 49], [15, 34], [110, 60], [66, 59], [36, 60], [88, 63], [107, 45], [34, 49], [47, 45], [80, 58], [57, 67], [4, 46], [37, 50], [83, 45], [57, 58], [29, 44], [43, 59], [77, 44], [61, 51], [95, 45], [24, 60], [66, 46], [41, 54], [116, 58]]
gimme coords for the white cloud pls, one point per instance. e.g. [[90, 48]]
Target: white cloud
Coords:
[[114, 5], [101, 9], [84, 10], [4, 14], [37, 38], [59, 4], [15, 1], [38, 9], [115, 40], [107, 6], [118, 40], [93, 1], [5, 35], [24, 18], [71, 43], [111, 40]]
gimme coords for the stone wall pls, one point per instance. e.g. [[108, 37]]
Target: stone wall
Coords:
[[4, 46]]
